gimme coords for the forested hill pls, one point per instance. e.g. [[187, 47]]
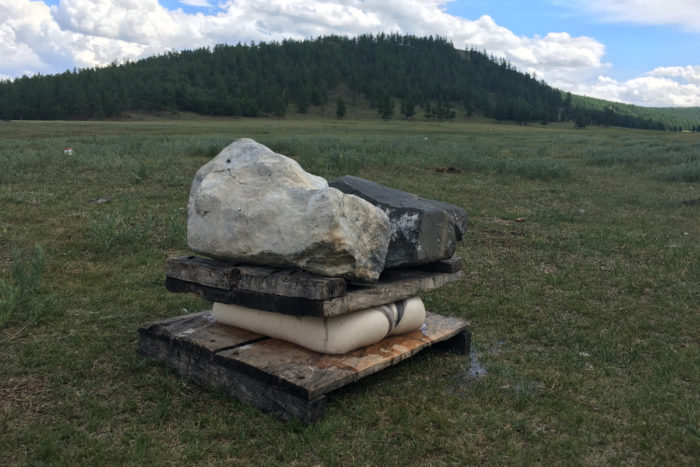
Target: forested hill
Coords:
[[399, 76], [276, 78], [602, 112]]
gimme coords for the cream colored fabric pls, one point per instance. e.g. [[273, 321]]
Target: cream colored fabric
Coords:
[[338, 334]]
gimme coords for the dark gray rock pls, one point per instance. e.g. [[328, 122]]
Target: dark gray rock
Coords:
[[422, 230]]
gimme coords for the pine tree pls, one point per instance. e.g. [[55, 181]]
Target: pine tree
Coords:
[[386, 107], [408, 108], [340, 109], [279, 108], [262, 79], [428, 111], [567, 107]]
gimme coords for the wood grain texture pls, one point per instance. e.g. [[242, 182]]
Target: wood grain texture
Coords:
[[310, 374], [219, 355], [199, 331], [190, 345], [453, 264], [459, 344], [287, 305], [239, 385], [394, 285], [202, 271], [261, 279]]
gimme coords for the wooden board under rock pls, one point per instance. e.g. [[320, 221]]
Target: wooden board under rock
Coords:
[[262, 279], [299, 293], [278, 376], [453, 264]]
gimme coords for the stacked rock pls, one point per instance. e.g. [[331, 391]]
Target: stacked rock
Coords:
[[252, 206], [422, 231]]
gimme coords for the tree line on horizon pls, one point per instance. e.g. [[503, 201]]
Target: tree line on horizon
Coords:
[[272, 79]]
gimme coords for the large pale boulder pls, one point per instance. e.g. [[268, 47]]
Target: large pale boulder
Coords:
[[422, 230], [252, 205]]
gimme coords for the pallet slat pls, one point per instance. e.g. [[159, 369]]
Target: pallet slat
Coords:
[[277, 376], [199, 365], [310, 374]]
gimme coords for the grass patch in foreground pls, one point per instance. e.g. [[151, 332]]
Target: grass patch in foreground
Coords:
[[584, 315], [19, 297]]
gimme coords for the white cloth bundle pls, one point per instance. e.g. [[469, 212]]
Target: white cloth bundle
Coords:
[[335, 335]]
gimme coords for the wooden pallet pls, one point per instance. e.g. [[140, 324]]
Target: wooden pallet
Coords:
[[275, 375]]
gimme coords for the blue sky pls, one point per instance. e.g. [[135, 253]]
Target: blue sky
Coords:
[[174, 4], [645, 52], [632, 48]]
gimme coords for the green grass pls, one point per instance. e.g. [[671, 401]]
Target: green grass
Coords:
[[585, 315], [21, 294]]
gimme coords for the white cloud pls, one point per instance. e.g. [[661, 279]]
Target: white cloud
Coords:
[[37, 39], [25, 31], [563, 61], [685, 13], [31, 42], [689, 74], [133, 28], [657, 88], [197, 3], [143, 22]]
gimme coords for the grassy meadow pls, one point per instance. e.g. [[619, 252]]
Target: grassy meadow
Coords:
[[582, 288]]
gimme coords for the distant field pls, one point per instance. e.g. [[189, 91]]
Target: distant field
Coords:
[[585, 315]]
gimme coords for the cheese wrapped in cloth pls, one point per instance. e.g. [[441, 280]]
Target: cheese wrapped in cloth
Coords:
[[334, 335]]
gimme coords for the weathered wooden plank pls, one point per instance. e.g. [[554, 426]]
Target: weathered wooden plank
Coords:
[[250, 299], [459, 344], [209, 373], [199, 331], [209, 335], [261, 279], [174, 319], [202, 271], [453, 264], [277, 376], [290, 283], [285, 366], [310, 374], [394, 285]]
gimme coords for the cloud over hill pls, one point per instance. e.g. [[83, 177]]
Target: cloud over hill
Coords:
[[36, 38]]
